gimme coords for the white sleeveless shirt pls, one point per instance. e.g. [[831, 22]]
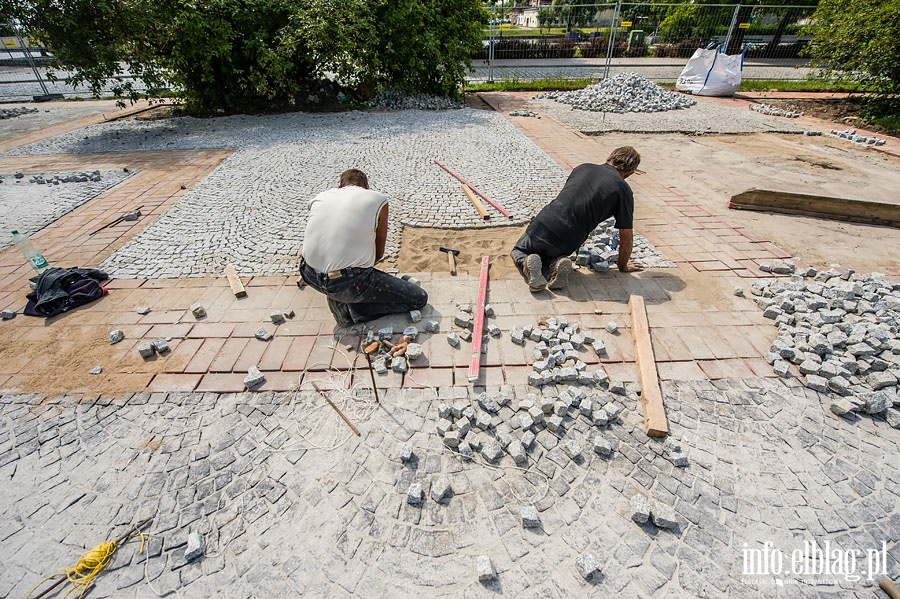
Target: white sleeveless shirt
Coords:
[[340, 230]]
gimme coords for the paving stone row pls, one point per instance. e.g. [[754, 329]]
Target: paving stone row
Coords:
[[28, 206], [286, 500], [251, 212]]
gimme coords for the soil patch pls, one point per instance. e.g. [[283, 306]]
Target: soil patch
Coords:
[[838, 110], [420, 250], [473, 100]]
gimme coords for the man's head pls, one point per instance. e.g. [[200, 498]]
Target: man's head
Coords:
[[354, 176], [625, 160]]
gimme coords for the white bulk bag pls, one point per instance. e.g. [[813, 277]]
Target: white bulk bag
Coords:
[[711, 72]]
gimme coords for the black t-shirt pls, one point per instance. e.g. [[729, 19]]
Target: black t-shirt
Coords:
[[592, 194]]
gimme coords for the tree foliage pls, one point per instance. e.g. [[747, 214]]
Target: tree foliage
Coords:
[[256, 55], [859, 40], [706, 20]]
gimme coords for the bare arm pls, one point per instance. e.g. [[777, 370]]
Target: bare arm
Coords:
[[626, 244], [381, 229]]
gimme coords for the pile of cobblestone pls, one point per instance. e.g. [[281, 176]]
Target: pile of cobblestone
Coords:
[[393, 99], [625, 92], [600, 250], [9, 113], [556, 353], [851, 135], [494, 427], [841, 331], [775, 111]]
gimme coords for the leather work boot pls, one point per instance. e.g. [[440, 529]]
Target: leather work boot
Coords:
[[559, 273], [533, 274]]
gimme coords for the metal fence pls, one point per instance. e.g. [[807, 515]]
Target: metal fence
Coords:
[[26, 75], [655, 33]]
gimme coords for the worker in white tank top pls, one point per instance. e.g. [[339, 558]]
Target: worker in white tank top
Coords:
[[346, 233]]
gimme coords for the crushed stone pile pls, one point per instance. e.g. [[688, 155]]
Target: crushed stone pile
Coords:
[[393, 99], [9, 113], [625, 92], [842, 331]]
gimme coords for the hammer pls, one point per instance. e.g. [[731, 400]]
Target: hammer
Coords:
[[451, 257]]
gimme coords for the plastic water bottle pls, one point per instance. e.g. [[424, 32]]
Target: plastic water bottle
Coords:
[[34, 257]]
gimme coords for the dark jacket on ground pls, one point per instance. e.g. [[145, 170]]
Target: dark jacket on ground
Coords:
[[61, 289]]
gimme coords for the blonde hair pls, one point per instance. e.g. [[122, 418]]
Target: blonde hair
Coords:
[[626, 159], [354, 176]]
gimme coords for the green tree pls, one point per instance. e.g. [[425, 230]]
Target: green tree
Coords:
[[256, 55], [708, 20], [859, 40], [573, 12]]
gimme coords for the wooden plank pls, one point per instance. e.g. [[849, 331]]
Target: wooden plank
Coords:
[[478, 329], [476, 202], [655, 424], [480, 193], [235, 281], [859, 211]]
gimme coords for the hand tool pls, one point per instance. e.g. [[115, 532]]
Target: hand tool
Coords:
[[127, 216], [368, 351], [451, 257]]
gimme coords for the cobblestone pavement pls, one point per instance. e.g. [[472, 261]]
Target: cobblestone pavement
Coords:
[[251, 211], [290, 502], [29, 207]]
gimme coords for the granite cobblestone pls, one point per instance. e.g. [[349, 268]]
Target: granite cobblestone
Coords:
[[351, 495]]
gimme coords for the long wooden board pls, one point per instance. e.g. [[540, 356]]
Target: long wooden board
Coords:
[[655, 424], [476, 202], [858, 211], [480, 193], [237, 288]]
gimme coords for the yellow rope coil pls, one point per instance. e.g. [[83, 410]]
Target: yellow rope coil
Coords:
[[90, 564]]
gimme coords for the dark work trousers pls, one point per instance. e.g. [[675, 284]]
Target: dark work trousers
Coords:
[[368, 293], [526, 246]]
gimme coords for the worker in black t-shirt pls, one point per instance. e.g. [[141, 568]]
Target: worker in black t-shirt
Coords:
[[592, 194]]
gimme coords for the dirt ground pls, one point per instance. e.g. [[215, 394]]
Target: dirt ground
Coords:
[[839, 110], [710, 169], [420, 250]]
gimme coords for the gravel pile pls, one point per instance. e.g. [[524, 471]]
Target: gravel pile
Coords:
[[775, 111], [393, 99], [9, 113], [600, 251], [841, 331], [626, 92]]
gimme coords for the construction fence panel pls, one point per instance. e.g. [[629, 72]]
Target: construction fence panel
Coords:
[[26, 73], [655, 33]]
